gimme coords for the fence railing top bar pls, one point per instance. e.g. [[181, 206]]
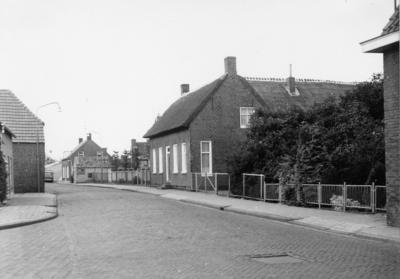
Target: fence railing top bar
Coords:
[[252, 174], [358, 185], [327, 185], [380, 186]]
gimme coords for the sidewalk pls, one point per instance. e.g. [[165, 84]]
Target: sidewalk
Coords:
[[37, 207], [27, 209]]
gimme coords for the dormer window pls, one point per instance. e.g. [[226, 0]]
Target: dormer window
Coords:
[[245, 114], [81, 154]]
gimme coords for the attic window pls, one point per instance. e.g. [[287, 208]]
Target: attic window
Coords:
[[99, 154], [245, 114], [80, 154]]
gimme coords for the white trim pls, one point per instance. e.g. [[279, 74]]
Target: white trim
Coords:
[[154, 160], [167, 156], [183, 160], [209, 157], [81, 154], [160, 160], [175, 158], [377, 44], [247, 115]]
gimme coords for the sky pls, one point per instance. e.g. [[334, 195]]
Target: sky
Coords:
[[114, 65]]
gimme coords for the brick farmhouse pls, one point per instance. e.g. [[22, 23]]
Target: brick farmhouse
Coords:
[[24, 124], [200, 129], [388, 44], [85, 148]]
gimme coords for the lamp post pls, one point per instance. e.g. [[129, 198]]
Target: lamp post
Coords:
[[37, 140]]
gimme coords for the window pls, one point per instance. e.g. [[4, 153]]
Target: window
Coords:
[[99, 154], [183, 153], [90, 175], [80, 154], [175, 158], [245, 114], [160, 160], [154, 161], [206, 157]]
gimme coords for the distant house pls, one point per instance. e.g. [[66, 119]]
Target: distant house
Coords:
[[200, 129], [6, 147], [142, 149], [85, 148], [388, 44], [28, 129], [92, 169]]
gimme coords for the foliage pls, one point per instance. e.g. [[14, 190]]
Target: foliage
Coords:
[[126, 159], [338, 140], [3, 178], [337, 203], [115, 160]]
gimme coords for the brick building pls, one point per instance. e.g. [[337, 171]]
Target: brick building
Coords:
[[200, 129], [6, 147], [388, 44], [24, 124], [85, 148]]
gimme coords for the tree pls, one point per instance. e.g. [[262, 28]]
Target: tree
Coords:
[[126, 159], [116, 162]]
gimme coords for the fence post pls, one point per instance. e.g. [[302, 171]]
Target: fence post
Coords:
[[205, 181], [280, 192], [101, 175], [373, 197], [265, 191], [344, 197], [196, 181], [243, 185], [229, 186], [216, 185], [319, 194]]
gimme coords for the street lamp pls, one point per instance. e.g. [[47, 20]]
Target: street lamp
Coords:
[[101, 138], [37, 140]]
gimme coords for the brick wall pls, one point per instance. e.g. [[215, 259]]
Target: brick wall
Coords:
[[392, 129], [25, 168], [219, 122], [178, 178]]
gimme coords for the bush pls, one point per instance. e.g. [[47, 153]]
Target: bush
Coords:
[[337, 202]]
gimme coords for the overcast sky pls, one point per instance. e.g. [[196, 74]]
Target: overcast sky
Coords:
[[113, 65]]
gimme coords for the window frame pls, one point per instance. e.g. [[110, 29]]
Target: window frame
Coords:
[[209, 158], [154, 160], [160, 160], [247, 115], [183, 158], [81, 154], [175, 158]]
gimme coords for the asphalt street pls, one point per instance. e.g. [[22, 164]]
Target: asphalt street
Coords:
[[106, 233]]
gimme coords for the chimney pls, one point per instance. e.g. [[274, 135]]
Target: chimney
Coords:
[[133, 143], [230, 66], [291, 84], [184, 88], [80, 140], [89, 136]]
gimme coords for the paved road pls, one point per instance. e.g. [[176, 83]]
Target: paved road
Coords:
[[105, 233], [57, 169]]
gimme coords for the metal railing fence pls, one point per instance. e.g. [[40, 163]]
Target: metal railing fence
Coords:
[[211, 182]]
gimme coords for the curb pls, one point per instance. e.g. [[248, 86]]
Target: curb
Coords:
[[33, 221]]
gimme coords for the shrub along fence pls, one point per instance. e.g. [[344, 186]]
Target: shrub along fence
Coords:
[[339, 196]]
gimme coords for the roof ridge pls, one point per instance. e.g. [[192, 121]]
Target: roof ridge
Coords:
[[23, 105], [299, 80]]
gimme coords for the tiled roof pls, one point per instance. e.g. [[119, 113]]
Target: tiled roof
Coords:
[[273, 91], [183, 110], [270, 92], [393, 24], [16, 116], [92, 162]]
